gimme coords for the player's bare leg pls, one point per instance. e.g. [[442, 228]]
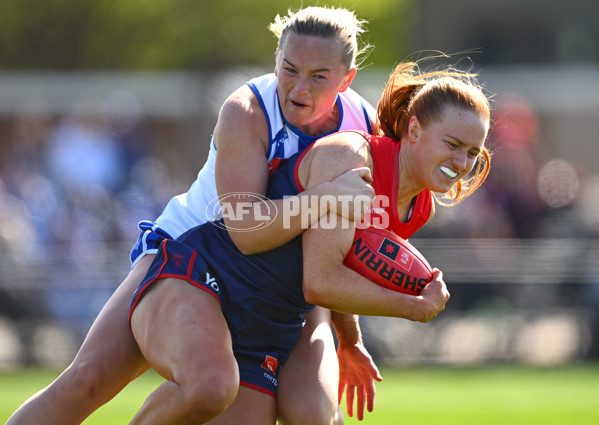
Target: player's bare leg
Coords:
[[107, 361], [309, 381], [250, 407], [182, 333]]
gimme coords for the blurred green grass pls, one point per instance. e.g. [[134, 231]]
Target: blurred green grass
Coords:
[[503, 395], [514, 395]]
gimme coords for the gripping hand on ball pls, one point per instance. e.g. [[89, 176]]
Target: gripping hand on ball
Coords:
[[433, 298]]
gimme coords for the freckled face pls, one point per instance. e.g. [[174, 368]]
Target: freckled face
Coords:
[[310, 76], [447, 149]]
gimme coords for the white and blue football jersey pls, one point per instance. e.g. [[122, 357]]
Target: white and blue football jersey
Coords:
[[192, 208]]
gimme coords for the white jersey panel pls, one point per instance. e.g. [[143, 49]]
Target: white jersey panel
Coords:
[[196, 206], [191, 209]]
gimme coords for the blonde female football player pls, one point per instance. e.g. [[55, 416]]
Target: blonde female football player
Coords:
[[261, 123]]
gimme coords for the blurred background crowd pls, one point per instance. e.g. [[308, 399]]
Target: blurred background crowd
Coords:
[[104, 116]]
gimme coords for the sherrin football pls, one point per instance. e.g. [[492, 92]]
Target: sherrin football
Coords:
[[388, 260]]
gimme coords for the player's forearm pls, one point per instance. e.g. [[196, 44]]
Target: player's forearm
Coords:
[[343, 290], [347, 327], [267, 224]]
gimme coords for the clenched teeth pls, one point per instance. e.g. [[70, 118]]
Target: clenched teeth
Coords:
[[448, 172]]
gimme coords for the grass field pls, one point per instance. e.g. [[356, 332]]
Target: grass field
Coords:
[[503, 395]]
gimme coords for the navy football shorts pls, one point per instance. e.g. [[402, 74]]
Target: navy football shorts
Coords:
[[259, 361]]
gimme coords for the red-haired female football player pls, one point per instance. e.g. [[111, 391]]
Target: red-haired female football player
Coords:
[[207, 317]]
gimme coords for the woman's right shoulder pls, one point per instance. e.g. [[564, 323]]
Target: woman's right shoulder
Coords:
[[337, 153], [242, 101], [352, 140], [242, 115]]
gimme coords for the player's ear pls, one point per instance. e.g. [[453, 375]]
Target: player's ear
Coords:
[[414, 129], [348, 79], [276, 61]]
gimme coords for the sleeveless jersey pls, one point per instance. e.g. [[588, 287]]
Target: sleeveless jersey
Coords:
[[190, 209], [385, 180], [385, 176], [261, 294]]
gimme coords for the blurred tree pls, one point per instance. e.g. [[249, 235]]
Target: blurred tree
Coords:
[[167, 34]]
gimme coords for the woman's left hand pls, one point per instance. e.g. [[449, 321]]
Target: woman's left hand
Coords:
[[357, 373]]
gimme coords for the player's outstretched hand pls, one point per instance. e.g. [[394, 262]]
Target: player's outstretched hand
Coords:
[[433, 297], [357, 373]]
